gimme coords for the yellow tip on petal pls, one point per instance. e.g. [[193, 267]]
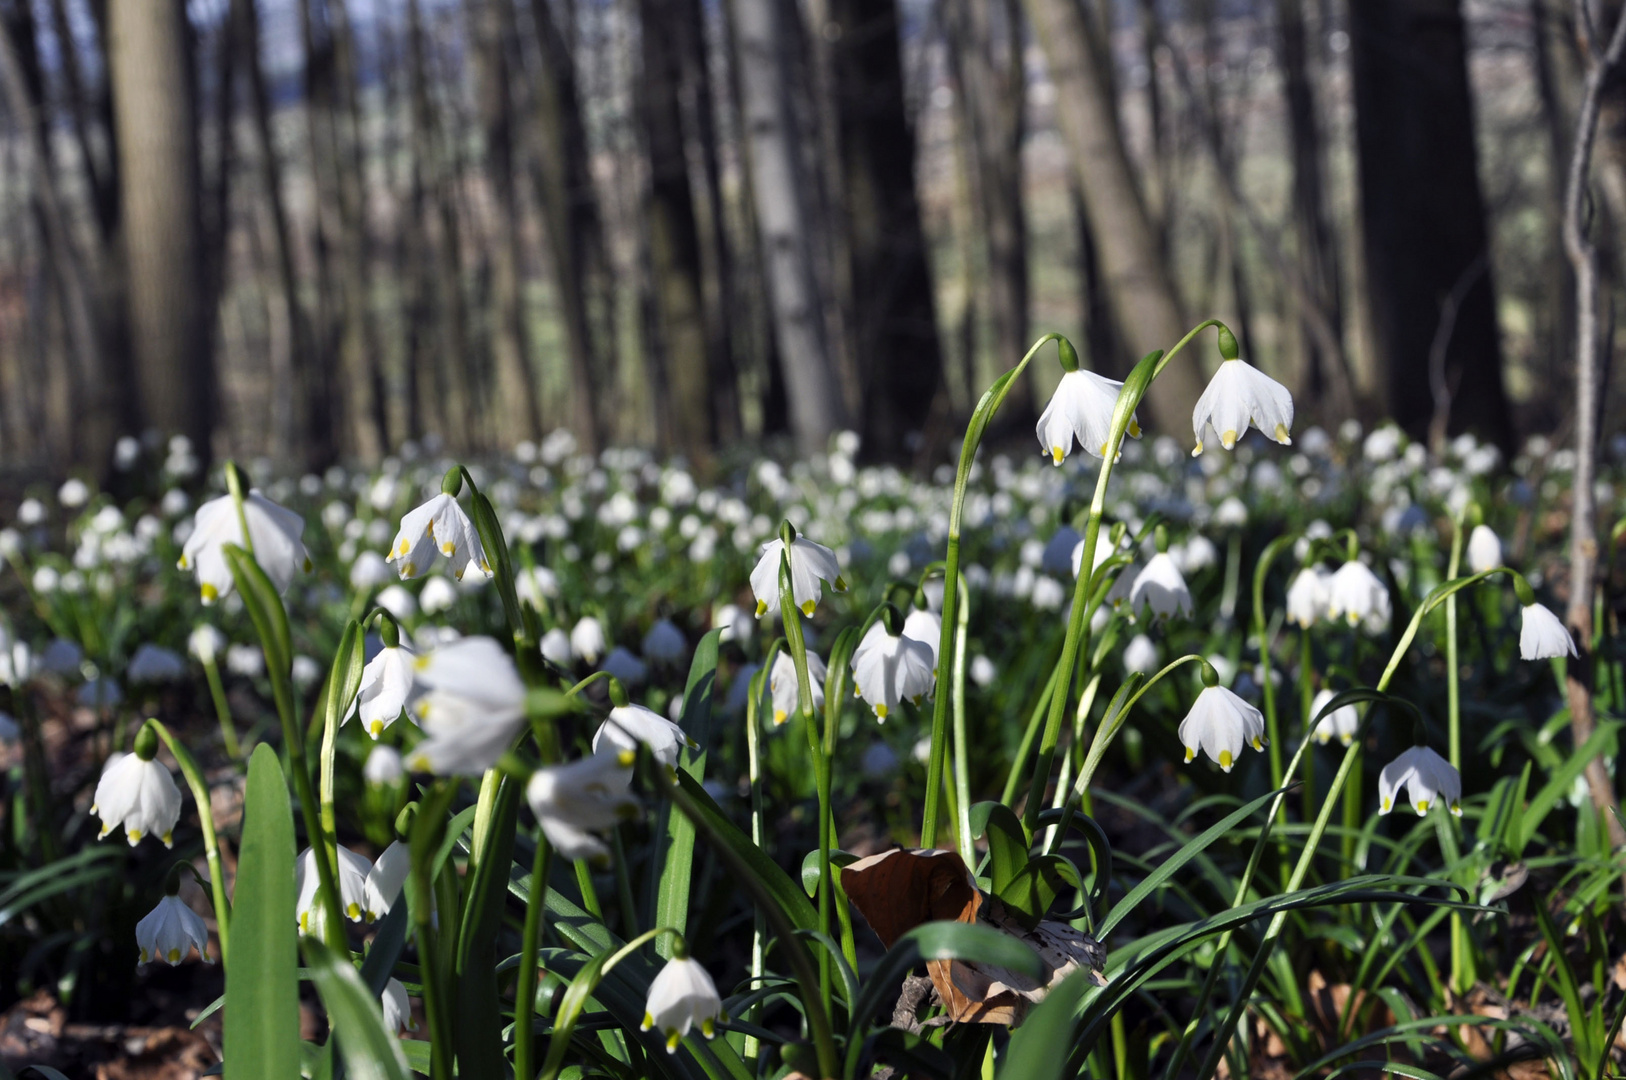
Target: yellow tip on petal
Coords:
[[1134, 429], [672, 1040], [1056, 454], [708, 1029], [447, 549], [1387, 806], [376, 728], [1456, 809], [626, 757], [209, 593], [145, 957], [1225, 760], [1422, 806], [840, 583], [174, 956], [371, 916], [181, 564], [1103, 449], [408, 569], [761, 608], [169, 839], [779, 716], [308, 564], [1282, 436], [1228, 439], [1197, 450], [1257, 745], [134, 836], [1347, 739], [353, 911], [880, 712], [1190, 754], [649, 1022], [807, 609]]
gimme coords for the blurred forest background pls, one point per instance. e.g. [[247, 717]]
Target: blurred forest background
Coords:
[[317, 229]]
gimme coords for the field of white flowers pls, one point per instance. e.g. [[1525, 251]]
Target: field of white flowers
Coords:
[[568, 765]]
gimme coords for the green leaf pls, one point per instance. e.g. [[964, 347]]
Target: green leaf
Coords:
[[1030, 893], [1007, 842], [344, 680], [676, 861], [810, 867], [386, 947], [262, 983], [369, 1051], [785, 891], [1033, 1051], [478, 1011], [1562, 782], [265, 608]]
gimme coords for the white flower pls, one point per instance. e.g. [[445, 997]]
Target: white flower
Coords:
[[16, 663], [629, 725], [437, 595], [205, 643], [1307, 596], [1542, 635], [926, 627], [384, 880], [1343, 721], [1358, 596], [665, 644], [74, 492], [438, 525], [353, 871], [810, 563], [1232, 513], [1238, 395], [536, 586], [1140, 655], [1426, 774], [245, 660], [61, 657], [787, 690], [1162, 587], [1197, 553], [574, 801], [983, 671], [171, 930], [383, 765], [622, 664], [887, 670], [10, 730], [556, 648], [1484, 549], [369, 571], [386, 683], [737, 626], [681, 996], [587, 639], [155, 664], [1220, 724], [397, 1009], [276, 532], [472, 706], [138, 797], [304, 670], [1081, 408], [397, 601]]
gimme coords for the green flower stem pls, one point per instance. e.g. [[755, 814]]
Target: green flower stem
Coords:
[[584, 882], [1306, 699], [234, 485], [1261, 635], [962, 754], [427, 826], [530, 946], [759, 833], [1029, 733], [803, 969], [980, 417], [1129, 399], [228, 728], [1086, 702], [206, 821], [1461, 958]]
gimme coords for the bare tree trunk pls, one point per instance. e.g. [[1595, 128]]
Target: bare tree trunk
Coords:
[[1557, 315], [100, 174], [1136, 279], [327, 394], [149, 67], [780, 188]]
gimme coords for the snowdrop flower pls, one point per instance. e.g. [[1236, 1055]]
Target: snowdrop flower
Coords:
[[587, 639], [46, 579], [73, 493], [205, 643], [575, 800], [99, 693], [369, 571], [625, 666], [1484, 549], [386, 683], [155, 664], [1358, 596], [1307, 596], [276, 533], [398, 602], [1542, 635], [665, 644], [629, 725], [983, 671], [1081, 408], [878, 761], [438, 525], [245, 660], [536, 586], [1047, 594], [926, 627], [473, 705], [1140, 655], [61, 657], [383, 766], [887, 670], [556, 648], [137, 795], [1343, 721], [1238, 395], [10, 730], [437, 595], [787, 690], [353, 871], [810, 564], [1162, 587], [16, 663], [397, 1009], [171, 930], [1232, 513], [737, 626], [1426, 775], [1220, 724], [681, 996], [1197, 553], [30, 512], [385, 878]]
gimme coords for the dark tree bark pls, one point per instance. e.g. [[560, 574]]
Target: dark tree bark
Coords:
[[894, 313], [1423, 216]]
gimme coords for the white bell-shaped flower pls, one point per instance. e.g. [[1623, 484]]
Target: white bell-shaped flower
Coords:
[[397, 1008], [536, 586], [587, 639], [1140, 655], [576, 800], [556, 648], [1307, 596], [369, 571], [629, 725], [155, 664], [385, 878], [1081, 408], [682, 996], [665, 643], [1358, 596], [1484, 549], [386, 684], [1238, 395], [1342, 723], [787, 691], [1426, 775], [353, 870], [1161, 587], [810, 564], [437, 595], [625, 666], [1220, 724], [138, 798], [926, 627], [439, 525], [1542, 635], [383, 765], [205, 643], [171, 930], [276, 531], [472, 706], [887, 670]]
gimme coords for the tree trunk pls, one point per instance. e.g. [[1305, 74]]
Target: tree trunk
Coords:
[[780, 188], [1423, 217], [149, 68], [327, 393], [1136, 279]]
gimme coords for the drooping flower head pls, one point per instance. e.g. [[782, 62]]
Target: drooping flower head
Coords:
[[574, 801], [1426, 775], [1081, 408], [1542, 635], [276, 532], [171, 930], [810, 563], [1220, 724], [1343, 722], [386, 685], [888, 669], [472, 706], [439, 525], [137, 795], [1161, 587], [353, 870], [1307, 596], [786, 688], [1358, 596], [1239, 395], [681, 996], [629, 725], [1484, 549]]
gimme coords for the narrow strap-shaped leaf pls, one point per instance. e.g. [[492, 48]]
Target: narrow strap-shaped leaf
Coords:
[[787, 892], [676, 856], [1033, 1050], [369, 1051], [265, 608], [477, 1008], [386, 948]]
